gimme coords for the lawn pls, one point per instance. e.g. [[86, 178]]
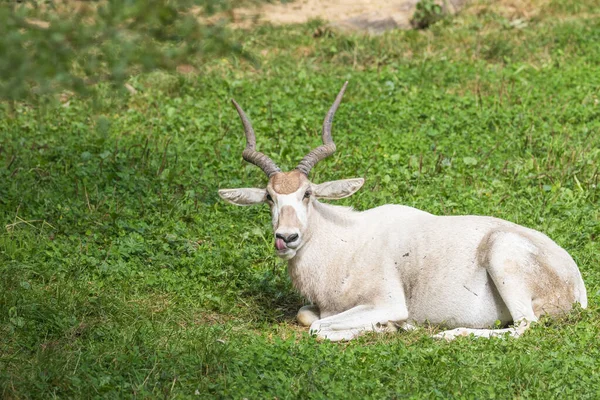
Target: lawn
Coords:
[[122, 273]]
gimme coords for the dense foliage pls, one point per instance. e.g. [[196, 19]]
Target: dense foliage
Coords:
[[47, 47], [122, 274]]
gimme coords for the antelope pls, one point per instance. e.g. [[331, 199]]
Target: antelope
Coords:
[[395, 266]]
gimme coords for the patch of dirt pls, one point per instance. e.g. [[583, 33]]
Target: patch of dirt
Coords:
[[372, 16]]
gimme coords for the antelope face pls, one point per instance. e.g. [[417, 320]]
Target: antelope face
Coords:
[[290, 195]]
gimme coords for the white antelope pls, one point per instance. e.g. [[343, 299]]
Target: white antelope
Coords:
[[396, 266]]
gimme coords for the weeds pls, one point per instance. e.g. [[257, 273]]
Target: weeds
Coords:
[[427, 13]]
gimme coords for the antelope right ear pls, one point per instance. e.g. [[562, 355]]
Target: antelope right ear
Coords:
[[244, 196], [338, 189]]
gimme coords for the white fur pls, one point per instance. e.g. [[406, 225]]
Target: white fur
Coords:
[[292, 201], [398, 266], [338, 189], [243, 196]]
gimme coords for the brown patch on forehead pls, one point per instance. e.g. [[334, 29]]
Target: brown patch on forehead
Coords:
[[287, 182]]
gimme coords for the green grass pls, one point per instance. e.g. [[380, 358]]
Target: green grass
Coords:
[[123, 275]]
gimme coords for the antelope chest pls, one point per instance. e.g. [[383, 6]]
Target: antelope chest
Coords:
[[325, 286]]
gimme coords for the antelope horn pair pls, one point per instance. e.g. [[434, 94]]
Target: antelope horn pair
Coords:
[[309, 161]]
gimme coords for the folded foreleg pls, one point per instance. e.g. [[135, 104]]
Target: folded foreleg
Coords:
[[351, 323]]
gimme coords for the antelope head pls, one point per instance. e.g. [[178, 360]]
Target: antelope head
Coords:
[[291, 195]]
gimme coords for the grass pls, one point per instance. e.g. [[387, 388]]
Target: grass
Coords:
[[123, 275]]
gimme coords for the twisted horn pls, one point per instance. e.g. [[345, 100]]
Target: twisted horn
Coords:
[[250, 154], [328, 147]]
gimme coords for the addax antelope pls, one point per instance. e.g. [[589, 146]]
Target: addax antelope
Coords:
[[396, 266]]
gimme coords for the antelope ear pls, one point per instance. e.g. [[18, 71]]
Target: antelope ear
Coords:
[[244, 196], [338, 189]]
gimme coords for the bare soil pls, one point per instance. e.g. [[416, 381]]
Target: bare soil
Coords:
[[373, 16]]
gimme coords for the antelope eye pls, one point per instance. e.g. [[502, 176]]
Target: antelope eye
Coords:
[[307, 194], [269, 198]]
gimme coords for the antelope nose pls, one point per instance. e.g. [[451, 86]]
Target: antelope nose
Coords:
[[287, 238]]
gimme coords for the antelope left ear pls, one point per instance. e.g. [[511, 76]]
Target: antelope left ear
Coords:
[[243, 197], [338, 189]]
